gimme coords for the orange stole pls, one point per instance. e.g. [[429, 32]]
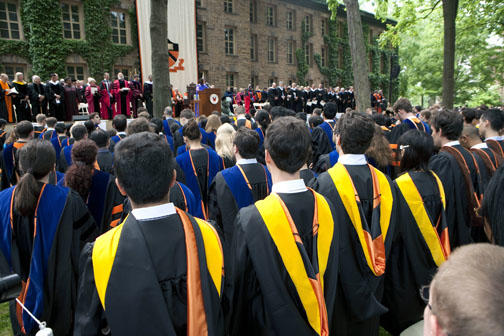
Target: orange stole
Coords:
[[8, 101]]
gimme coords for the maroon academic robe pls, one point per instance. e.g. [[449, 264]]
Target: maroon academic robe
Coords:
[[71, 98], [122, 98], [136, 101], [93, 100], [107, 109]]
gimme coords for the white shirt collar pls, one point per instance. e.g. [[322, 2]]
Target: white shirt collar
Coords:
[[50, 129], [121, 133], [154, 212], [147, 82], [480, 145], [352, 159], [497, 138], [241, 117], [452, 143], [289, 187], [54, 83], [246, 161]]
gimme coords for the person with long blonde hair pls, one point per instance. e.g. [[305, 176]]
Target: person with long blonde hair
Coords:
[[224, 144], [212, 125]]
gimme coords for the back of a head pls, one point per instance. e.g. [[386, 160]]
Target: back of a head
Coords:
[[141, 160], [36, 159], [51, 122], [90, 126], [263, 119], [40, 118], [100, 137], [495, 118], [379, 149], [120, 123], [315, 120], [3, 122], [158, 125], [449, 122], [186, 114], [60, 128], [492, 209], [302, 116], [138, 125], [317, 111], [24, 129], [288, 141], [469, 114], [224, 119], [330, 110], [356, 131], [79, 175], [470, 131], [403, 104], [213, 123], [144, 114], [418, 149], [240, 110], [224, 141], [247, 142], [78, 132], [280, 111], [191, 130], [467, 293]]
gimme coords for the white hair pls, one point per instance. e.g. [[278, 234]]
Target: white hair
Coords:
[[34, 77]]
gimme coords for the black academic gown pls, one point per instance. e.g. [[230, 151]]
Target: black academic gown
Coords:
[[23, 111], [360, 291], [60, 235], [411, 264], [105, 160], [56, 109], [146, 293], [457, 200], [264, 299]]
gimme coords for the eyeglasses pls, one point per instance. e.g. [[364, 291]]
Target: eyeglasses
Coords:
[[425, 295]]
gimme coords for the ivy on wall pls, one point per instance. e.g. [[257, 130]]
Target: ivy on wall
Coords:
[[46, 49]]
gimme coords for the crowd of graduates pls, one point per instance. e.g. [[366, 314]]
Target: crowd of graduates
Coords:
[[266, 222]]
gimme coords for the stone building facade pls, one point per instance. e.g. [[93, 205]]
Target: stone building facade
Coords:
[[254, 42]]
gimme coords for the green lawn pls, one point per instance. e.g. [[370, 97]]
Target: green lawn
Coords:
[[5, 326]]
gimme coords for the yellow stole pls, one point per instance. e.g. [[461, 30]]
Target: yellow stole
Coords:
[[439, 247], [284, 234], [373, 249]]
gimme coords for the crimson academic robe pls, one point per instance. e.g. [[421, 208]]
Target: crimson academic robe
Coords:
[[122, 98], [93, 99], [366, 224], [152, 277], [107, 109], [274, 294], [45, 253]]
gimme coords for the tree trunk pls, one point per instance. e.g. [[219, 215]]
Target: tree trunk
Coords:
[[159, 57], [450, 8], [359, 58]]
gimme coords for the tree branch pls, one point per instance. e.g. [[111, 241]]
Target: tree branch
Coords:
[[431, 9]]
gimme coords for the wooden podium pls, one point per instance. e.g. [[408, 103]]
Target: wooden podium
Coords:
[[209, 101]]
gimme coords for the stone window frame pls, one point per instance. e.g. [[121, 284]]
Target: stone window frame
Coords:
[[126, 28], [72, 22], [324, 26], [9, 22], [231, 79], [291, 52], [292, 20], [75, 73], [323, 55], [203, 37], [228, 6], [254, 47], [16, 67], [308, 53], [308, 23], [272, 50], [271, 20], [229, 44], [253, 11], [254, 80]]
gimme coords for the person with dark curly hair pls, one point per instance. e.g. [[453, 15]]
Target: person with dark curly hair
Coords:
[[43, 228], [97, 188]]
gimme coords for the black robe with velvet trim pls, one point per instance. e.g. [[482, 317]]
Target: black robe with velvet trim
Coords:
[[147, 289], [410, 264], [358, 303], [263, 297]]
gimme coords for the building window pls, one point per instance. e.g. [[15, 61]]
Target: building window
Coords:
[[308, 24], [271, 50], [9, 21], [126, 71], [323, 56], [271, 81], [291, 47], [324, 29], [201, 37], [308, 50], [291, 20], [119, 31], [254, 81], [75, 71], [270, 16], [341, 29], [253, 11], [11, 69], [72, 25], [253, 47], [229, 41], [230, 79], [228, 6]]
